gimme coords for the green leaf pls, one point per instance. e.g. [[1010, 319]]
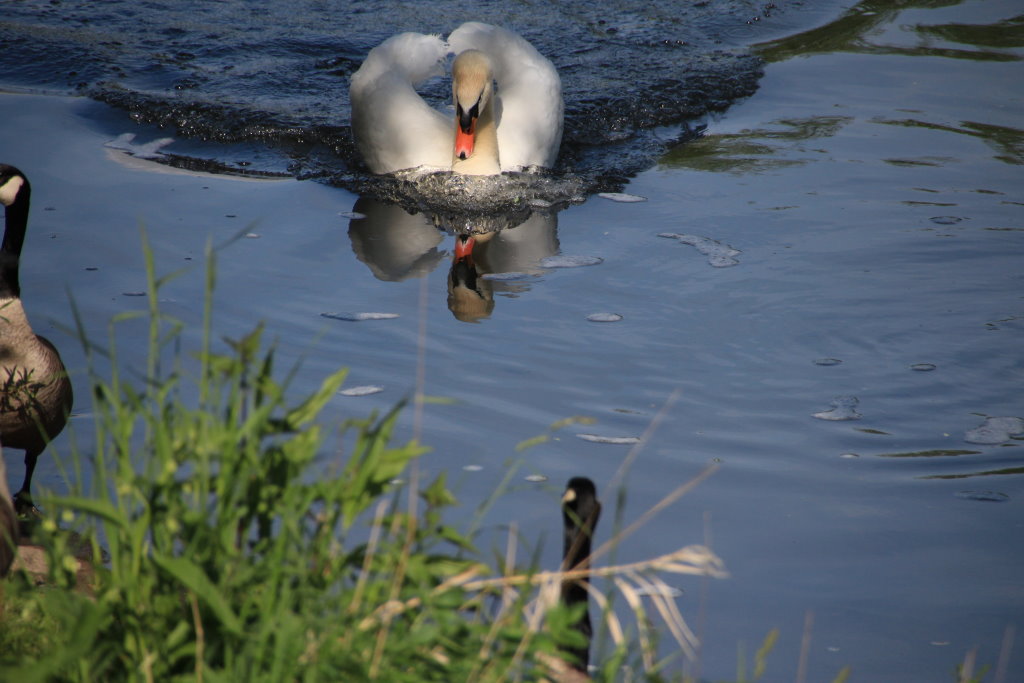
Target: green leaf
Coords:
[[437, 494], [572, 420], [196, 580], [439, 400], [373, 465], [530, 443], [761, 657], [312, 406]]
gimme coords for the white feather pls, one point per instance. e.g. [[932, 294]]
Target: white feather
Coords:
[[396, 129]]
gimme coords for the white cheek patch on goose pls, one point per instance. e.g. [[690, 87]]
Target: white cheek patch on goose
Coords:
[[9, 190]]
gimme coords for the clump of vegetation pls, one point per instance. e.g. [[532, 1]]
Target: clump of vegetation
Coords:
[[221, 552]]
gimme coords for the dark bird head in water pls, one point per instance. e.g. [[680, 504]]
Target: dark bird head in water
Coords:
[[580, 512]]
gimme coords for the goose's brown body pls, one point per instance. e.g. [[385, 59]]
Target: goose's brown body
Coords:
[[35, 392]]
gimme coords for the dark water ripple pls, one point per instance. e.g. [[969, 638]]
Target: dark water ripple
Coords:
[[277, 73]]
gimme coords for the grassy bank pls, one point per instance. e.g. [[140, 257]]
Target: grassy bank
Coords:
[[211, 546]]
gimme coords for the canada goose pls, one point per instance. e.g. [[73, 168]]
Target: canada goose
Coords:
[[35, 392], [580, 512], [514, 127]]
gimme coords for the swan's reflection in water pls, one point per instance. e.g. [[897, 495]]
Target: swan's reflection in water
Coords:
[[396, 245], [393, 243]]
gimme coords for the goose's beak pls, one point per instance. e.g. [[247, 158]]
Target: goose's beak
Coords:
[[464, 245]]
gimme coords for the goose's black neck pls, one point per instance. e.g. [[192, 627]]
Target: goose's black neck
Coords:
[[580, 515], [580, 512], [14, 237]]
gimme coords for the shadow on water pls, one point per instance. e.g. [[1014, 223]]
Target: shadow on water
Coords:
[[755, 150], [1007, 142], [492, 253], [865, 29], [862, 29]]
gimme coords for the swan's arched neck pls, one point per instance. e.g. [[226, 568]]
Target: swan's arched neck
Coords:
[[476, 131]]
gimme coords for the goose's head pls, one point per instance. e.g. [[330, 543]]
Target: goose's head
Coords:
[[13, 185], [580, 498], [472, 90]]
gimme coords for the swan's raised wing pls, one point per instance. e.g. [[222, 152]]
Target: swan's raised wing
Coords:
[[393, 126], [529, 93]]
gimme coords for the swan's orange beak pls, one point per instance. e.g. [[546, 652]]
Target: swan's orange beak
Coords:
[[464, 247], [464, 138]]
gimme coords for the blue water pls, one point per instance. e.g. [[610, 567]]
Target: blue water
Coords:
[[872, 187]]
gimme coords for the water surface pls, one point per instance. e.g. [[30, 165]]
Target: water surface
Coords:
[[872, 189]]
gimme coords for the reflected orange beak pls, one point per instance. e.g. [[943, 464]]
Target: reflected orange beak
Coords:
[[464, 247], [464, 139]]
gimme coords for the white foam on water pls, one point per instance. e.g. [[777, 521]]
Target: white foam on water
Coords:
[[507, 277], [570, 261], [604, 317], [617, 440], [995, 430], [358, 317], [719, 255], [622, 197], [843, 408], [365, 390]]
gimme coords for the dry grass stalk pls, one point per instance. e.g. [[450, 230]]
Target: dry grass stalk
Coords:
[[661, 597], [805, 647], [611, 620], [371, 551], [643, 628], [672, 497], [644, 438], [1004, 654], [967, 668]]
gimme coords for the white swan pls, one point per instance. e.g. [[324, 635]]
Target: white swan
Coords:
[[511, 127]]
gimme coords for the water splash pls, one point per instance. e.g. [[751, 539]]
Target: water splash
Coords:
[[274, 76], [843, 408], [995, 430], [622, 197], [570, 261], [719, 255]]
